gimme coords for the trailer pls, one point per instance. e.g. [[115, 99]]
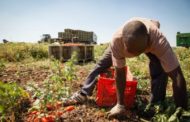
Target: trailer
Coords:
[[183, 39], [63, 52]]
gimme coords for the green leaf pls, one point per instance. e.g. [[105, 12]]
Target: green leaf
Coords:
[[173, 118], [1, 109]]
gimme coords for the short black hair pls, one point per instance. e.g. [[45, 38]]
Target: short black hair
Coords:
[[135, 28], [135, 36]]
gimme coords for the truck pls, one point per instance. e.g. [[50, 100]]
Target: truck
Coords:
[[46, 38], [71, 36], [183, 39]]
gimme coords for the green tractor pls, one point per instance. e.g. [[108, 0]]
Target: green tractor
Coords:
[[183, 39]]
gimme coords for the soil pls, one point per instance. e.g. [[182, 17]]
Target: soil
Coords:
[[22, 75], [88, 112]]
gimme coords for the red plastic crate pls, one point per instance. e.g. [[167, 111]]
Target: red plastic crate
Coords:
[[106, 91]]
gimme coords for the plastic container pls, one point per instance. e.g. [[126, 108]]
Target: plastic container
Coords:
[[106, 90]]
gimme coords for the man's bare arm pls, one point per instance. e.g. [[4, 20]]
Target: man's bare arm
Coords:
[[120, 84], [179, 87]]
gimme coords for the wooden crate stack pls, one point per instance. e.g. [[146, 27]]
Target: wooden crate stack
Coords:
[[82, 36]]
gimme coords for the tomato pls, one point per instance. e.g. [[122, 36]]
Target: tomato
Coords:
[[58, 104], [59, 113], [36, 119], [43, 119], [50, 107], [69, 108], [50, 118], [34, 112], [29, 119]]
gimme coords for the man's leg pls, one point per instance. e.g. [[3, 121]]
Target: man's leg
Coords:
[[100, 67], [158, 79]]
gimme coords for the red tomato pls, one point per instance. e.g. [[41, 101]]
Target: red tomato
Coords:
[[50, 118], [69, 108], [49, 107], [43, 119], [34, 112], [29, 119], [59, 113], [36, 119]]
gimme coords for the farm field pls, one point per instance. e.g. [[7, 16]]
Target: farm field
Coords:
[[33, 86]]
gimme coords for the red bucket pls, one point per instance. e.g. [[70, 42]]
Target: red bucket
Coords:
[[106, 90]]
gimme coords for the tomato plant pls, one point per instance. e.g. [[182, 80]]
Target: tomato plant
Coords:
[[57, 85], [11, 95]]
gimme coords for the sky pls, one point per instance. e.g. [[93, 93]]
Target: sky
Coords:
[[27, 20]]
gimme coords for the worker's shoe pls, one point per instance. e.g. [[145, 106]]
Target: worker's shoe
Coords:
[[117, 111], [76, 98]]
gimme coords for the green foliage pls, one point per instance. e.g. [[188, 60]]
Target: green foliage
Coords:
[[10, 95], [38, 51], [69, 68], [139, 66], [56, 86], [2, 65], [172, 114], [99, 50], [14, 52]]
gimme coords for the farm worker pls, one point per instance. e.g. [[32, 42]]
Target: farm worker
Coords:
[[137, 36]]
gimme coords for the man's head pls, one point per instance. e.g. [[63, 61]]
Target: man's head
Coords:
[[135, 37]]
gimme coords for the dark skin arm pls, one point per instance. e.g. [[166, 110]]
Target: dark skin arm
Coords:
[[179, 87], [120, 77]]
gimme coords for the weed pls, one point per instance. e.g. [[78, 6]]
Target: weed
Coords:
[[10, 97], [15, 52], [99, 50], [2, 65], [69, 70], [38, 51]]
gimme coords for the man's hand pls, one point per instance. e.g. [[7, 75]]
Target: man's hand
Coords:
[[117, 110], [179, 87]]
